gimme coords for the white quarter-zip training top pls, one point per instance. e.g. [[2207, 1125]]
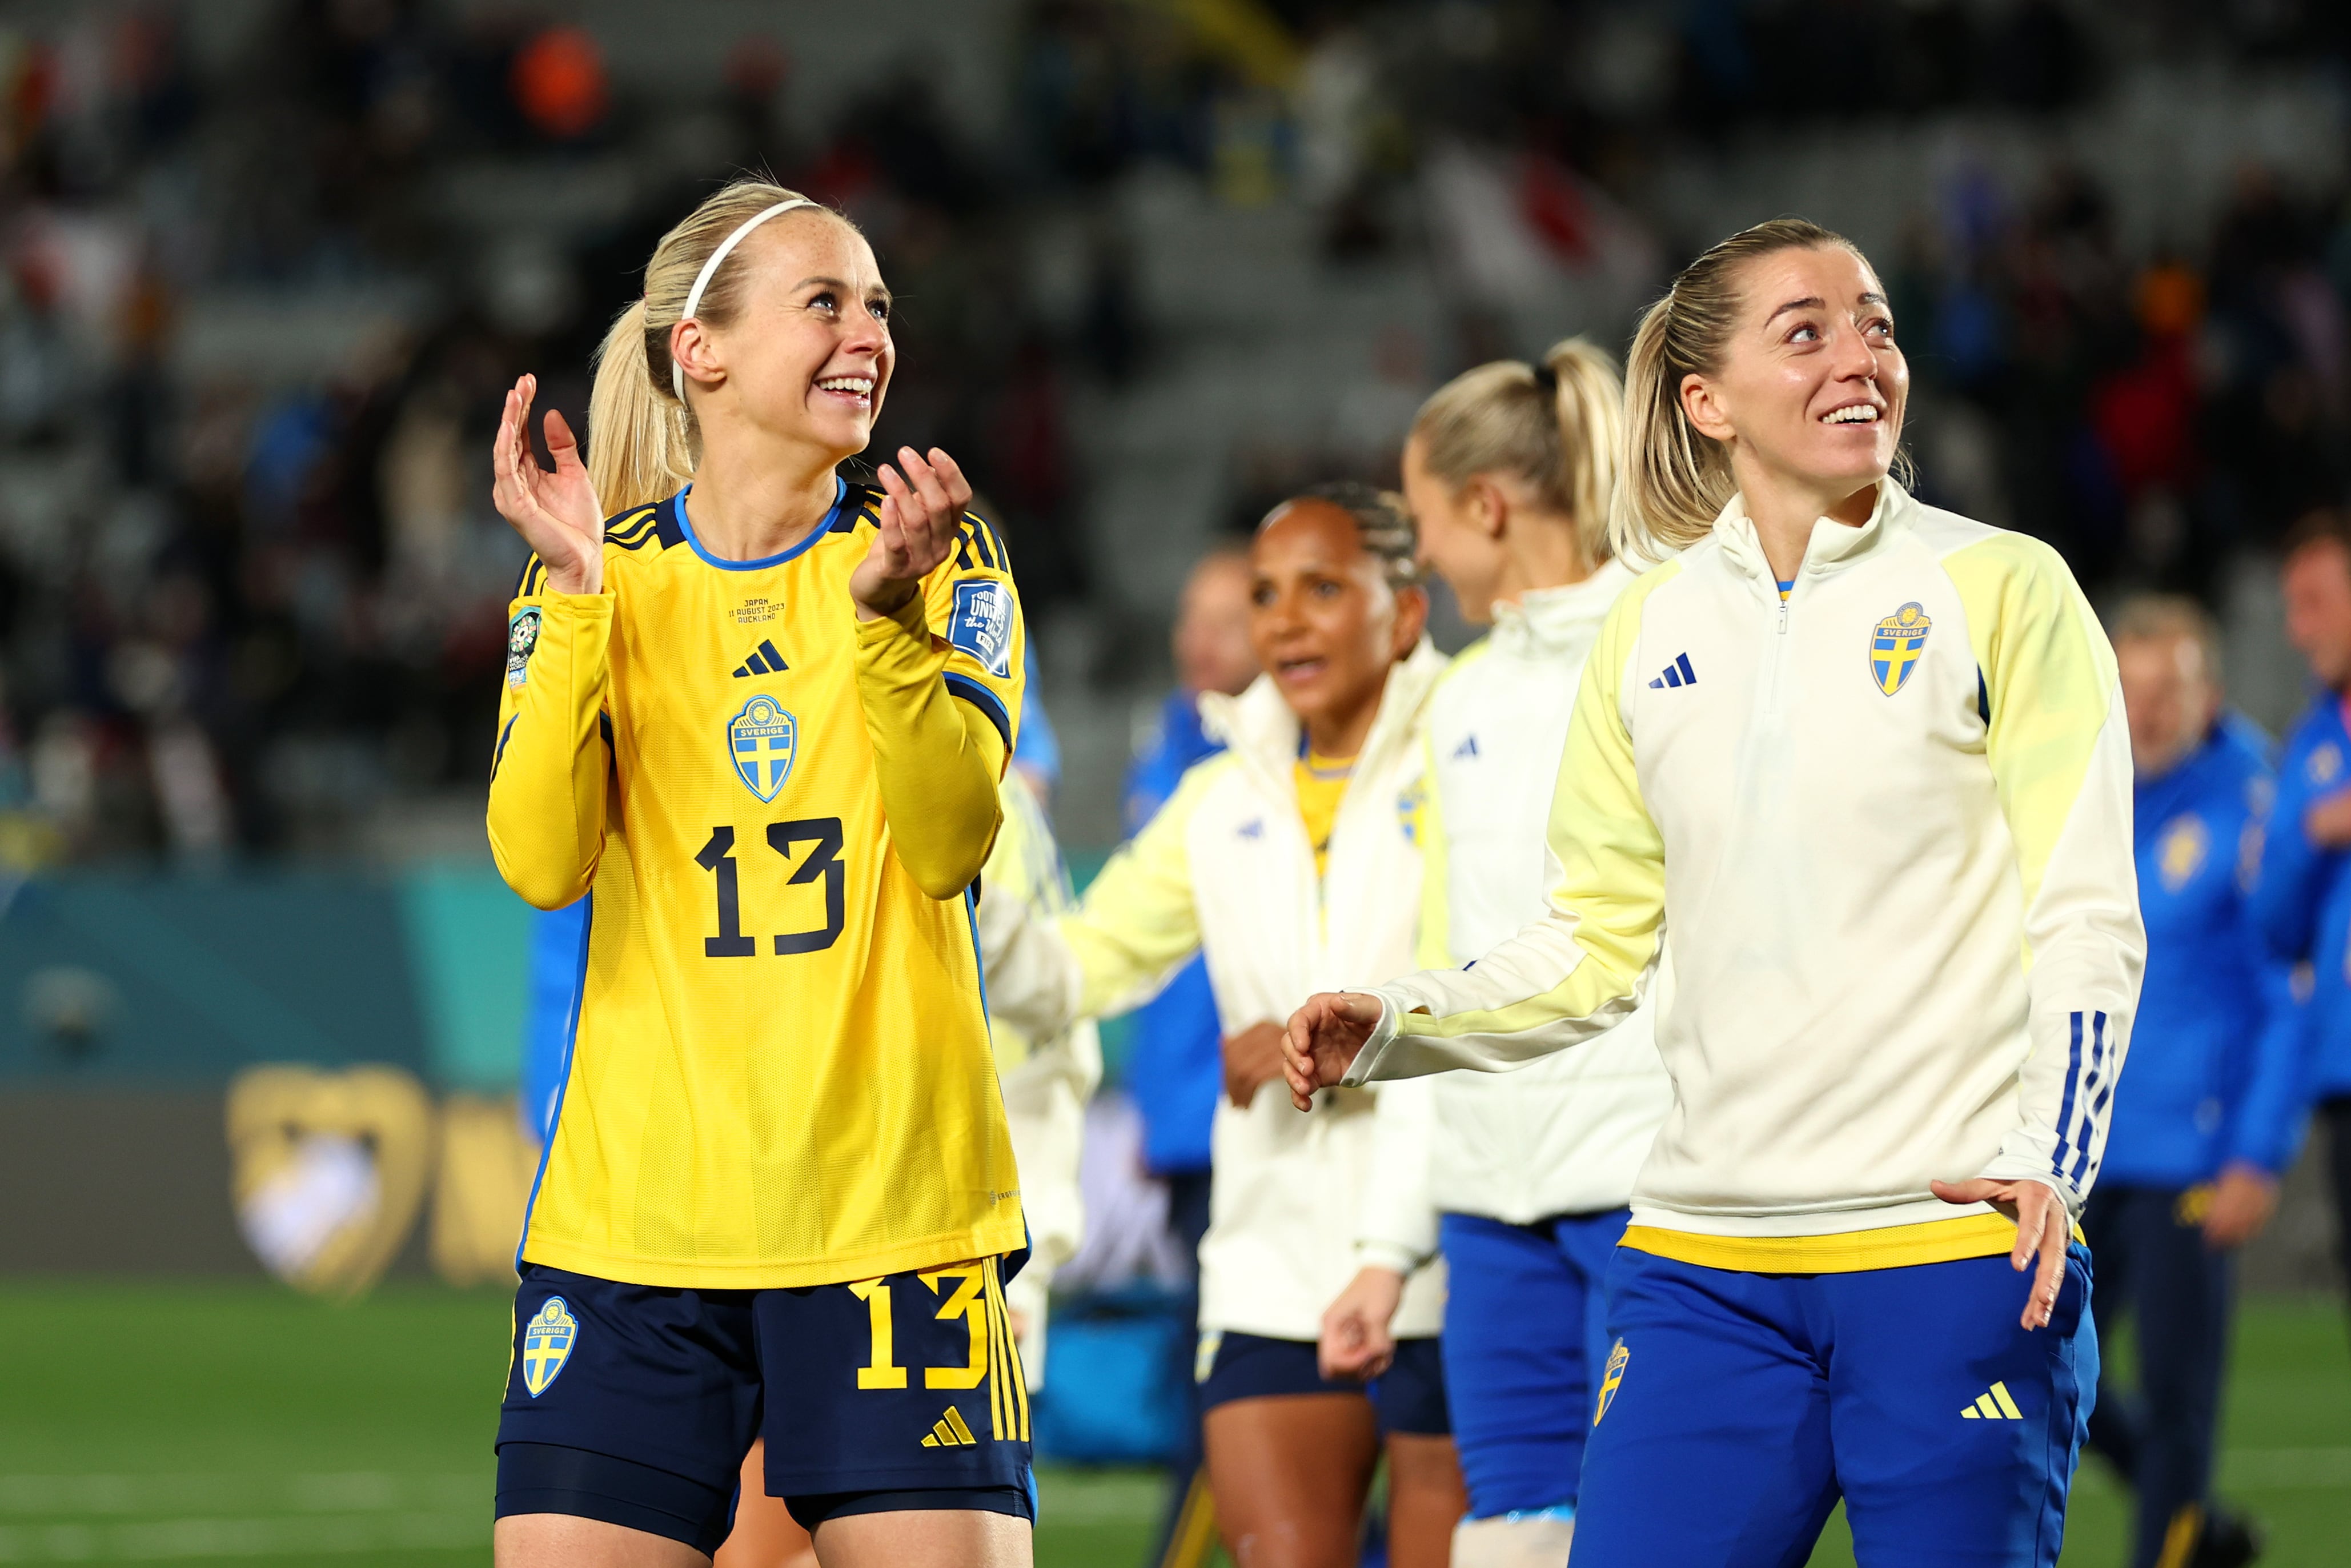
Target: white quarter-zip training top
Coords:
[[1886, 822]]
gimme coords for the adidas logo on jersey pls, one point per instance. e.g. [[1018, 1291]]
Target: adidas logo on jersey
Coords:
[[763, 661], [1468, 748], [949, 1432], [1994, 1404], [1678, 674]]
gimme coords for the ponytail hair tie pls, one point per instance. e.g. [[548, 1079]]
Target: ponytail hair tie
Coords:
[[1546, 380]]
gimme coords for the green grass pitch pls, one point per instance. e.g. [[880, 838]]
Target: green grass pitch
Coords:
[[232, 1423]]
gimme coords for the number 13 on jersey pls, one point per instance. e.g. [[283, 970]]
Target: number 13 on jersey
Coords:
[[816, 842]]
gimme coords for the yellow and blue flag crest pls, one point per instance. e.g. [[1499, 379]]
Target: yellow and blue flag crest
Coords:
[[546, 1342], [762, 741], [1893, 645], [1617, 1358]]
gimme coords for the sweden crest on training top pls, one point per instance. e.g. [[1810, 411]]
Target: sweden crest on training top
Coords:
[[982, 624], [1894, 646], [546, 1342], [762, 741]]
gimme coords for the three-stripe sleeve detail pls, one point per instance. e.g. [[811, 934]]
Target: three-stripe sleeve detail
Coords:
[[2099, 1086], [2065, 1105], [2088, 1085]]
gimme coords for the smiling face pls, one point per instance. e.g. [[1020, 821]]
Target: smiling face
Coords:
[[807, 354], [1323, 621], [1812, 387], [1457, 538]]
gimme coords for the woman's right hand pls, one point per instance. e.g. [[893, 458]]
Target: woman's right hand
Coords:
[[557, 514], [1323, 1040]]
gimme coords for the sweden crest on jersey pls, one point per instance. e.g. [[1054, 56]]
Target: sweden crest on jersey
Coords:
[[546, 1342], [762, 741], [1894, 646]]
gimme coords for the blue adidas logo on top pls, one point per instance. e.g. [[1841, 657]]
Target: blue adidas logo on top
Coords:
[[1678, 674]]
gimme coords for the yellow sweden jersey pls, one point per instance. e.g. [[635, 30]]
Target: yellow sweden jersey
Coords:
[[780, 1072]]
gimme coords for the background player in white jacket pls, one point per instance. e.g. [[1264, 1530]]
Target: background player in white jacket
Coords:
[[1866, 761], [1289, 861], [1509, 470]]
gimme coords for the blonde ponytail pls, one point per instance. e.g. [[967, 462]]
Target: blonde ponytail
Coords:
[[1556, 430], [1677, 480], [642, 442], [638, 449]]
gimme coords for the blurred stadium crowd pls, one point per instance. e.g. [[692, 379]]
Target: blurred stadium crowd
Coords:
[[266, 268]]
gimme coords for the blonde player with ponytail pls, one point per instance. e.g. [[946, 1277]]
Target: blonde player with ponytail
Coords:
[[1864, 764], [757, 714], [1511, 470]]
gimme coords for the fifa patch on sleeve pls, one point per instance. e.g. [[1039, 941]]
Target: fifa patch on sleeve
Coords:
[[522, 636], [982, 624]]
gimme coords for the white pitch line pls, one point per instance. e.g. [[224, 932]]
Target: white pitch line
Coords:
[[182, 1540], [347, 1492], [2286, 1469]]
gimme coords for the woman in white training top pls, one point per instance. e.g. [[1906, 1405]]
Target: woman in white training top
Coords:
[[1509, 470], [1863, 763], [1289, 861]]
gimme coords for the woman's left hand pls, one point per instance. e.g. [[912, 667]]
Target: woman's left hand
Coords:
[[2042, 1227], [922, 513], [1253, 1060]]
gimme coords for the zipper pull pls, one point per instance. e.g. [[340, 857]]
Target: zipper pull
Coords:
[[1783, 617]]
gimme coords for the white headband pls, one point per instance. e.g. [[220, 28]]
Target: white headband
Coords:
[[710, 268]]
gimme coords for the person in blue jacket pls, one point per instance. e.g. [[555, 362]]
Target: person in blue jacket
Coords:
[[1176, 1068], [2303, 898], [2206, 1116]]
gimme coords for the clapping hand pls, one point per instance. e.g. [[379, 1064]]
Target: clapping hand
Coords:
[[922, 513], [557, 514]]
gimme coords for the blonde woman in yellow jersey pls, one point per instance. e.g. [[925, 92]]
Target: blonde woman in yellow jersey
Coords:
[[1864, 764], [759, 717]]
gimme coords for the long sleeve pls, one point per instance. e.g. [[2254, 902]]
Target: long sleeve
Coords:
[[936, 759], [1433, 943], [2286, 893], [2266, 1130], [548, 774], [1396, 1223], [2059, 750], [1049, 1066], [1137, 924], [1578, 971]]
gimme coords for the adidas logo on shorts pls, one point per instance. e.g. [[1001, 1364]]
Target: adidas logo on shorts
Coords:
[[949, 1432], [1994, 1404]]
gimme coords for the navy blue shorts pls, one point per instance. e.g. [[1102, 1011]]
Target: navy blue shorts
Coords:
[[1408, 1397], [635, 1404], [1525, 1342], [1735, 1409]]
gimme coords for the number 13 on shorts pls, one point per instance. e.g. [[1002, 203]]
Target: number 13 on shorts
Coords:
[[961, 1339]]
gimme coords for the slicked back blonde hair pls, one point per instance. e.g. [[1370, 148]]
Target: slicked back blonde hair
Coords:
[[1558, 430], [642, 442], [1676, 480]]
